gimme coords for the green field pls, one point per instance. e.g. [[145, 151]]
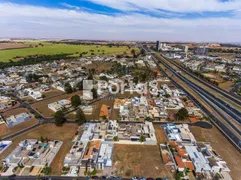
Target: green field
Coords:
[[49, 49]]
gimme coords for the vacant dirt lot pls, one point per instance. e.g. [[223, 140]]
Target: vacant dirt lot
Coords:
[[14, 112], [20, 127], [226, 86], [52, 132], [139, 160], [160, 134], [222, 146], [53, 92], [42, 106], [96, 109]]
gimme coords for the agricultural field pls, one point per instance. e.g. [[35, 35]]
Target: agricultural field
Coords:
[[13, 45], [44, 48]]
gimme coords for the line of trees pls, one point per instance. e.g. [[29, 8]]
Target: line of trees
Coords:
[[34, 60]]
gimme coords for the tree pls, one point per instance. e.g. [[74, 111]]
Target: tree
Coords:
[[46, 170], [79, 85], [133, 52], [80, 116], [115, 138], [90, 76], [185, 99], [136, 79], [167, 95], [143, 51], [147, 118], [68, 89], [179, 175], [95, 94], [142, 138], [75, 100], [59, 118], [41, 139], [182, 114]]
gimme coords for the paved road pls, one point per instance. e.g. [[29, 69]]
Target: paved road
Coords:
[[235, 89], [44, 120], [55, 178]]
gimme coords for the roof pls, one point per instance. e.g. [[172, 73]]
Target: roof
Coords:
[[193, 119], [179, 162], [181, 151], [92, 145], [189, 165], [104, 110]]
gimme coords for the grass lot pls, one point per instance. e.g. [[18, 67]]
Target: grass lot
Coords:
[[222, 146], [42, 106], [64, 133], [50, 49], [139, 160]]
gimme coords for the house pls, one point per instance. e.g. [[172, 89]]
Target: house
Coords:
[[91, 153], [4, 145], [32, 153], [55, 106], [59, 105], [199, 161], [87, 110], [105, 155], [6, 102], [104, 112], [34, 93], [74, 157], [16, 119]]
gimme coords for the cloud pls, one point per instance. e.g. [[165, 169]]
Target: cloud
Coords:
[[172, 5], [42, 22], [70, 6]]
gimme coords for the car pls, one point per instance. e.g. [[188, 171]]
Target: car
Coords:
[[134, 178], [149, 178], [94, 177], [111, 177], [118, 177], [142, 178], [88, 177], [159, 179], [13, 175], [103, 177]]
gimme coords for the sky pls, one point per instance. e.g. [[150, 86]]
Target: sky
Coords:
[[133, 20]]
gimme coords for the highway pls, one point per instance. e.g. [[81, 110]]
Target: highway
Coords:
[[235, 99], [230, 118], [232, 112]]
